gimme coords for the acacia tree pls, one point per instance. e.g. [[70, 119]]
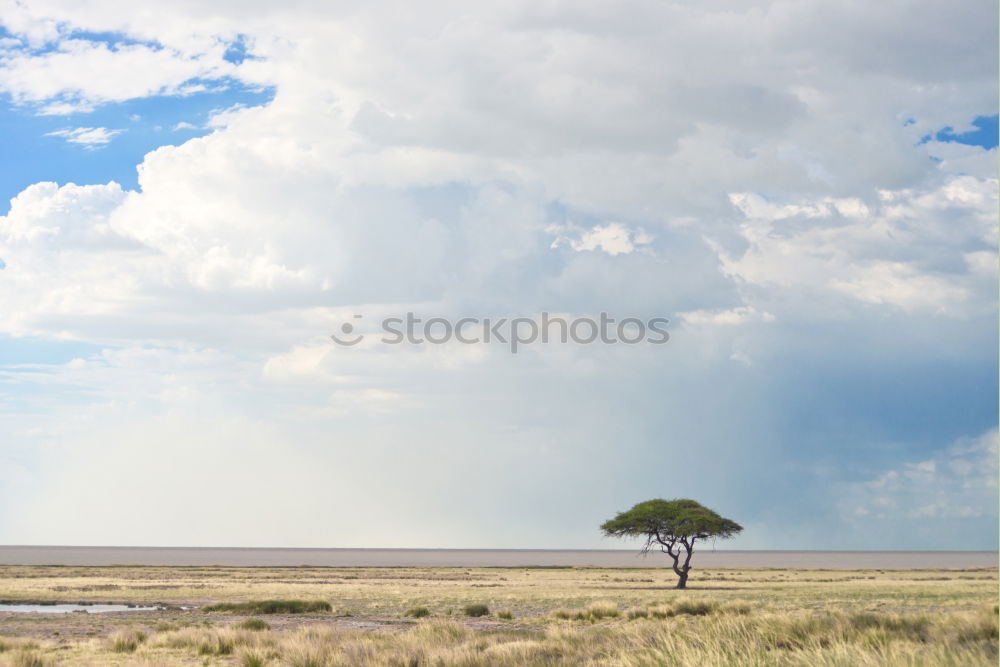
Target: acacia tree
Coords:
[[671, 525]]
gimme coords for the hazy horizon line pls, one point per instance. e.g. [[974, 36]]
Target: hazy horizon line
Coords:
[[622, 550]]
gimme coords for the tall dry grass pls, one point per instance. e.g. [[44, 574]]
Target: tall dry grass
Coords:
[[548, 617], [720, 637]]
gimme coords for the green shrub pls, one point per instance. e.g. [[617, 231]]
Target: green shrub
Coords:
[[476, 610], [505, 615], [254, 624], [694, 608], [271, 607], [418, 612]]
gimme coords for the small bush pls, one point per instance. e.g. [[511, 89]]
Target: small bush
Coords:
[[253, 657], [602, 609], [505, 615], [738, 608], [865, 620], [441, 632], [476, 610], [254, 624], [127, 641], [216, 645], [984, 630], [271, 607], [694, 608], [915, 628], [592, 612], [308, 657], [418, 612], [10, 644], [27, 658]]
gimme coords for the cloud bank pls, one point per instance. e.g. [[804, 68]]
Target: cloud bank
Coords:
[[755, 173]]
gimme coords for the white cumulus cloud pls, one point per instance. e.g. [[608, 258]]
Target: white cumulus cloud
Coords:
[[918, 249], [959, 482], [89, 137], [732, 168]]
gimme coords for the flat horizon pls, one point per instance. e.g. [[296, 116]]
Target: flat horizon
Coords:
[[801, 550], [451, 557]]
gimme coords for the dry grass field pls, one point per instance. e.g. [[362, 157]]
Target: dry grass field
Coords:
[[494, 616]]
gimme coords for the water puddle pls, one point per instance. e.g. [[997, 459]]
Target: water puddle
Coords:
[[73, 608]]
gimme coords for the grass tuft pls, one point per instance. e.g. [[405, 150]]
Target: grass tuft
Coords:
[[217, 644], [418, 612], [602, 609], [255, 624], [476, 610], [27, 658], [254, 657], [691, 608], [127, 641], [595, 611], [271, 607]]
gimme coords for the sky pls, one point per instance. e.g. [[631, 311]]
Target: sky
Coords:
[[196, 195]]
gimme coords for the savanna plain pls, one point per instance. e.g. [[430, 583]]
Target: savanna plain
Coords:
[[307, 616]]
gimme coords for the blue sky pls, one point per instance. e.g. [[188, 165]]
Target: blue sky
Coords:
[[821, 237], [141, 125], [145, 125], [983, 134]]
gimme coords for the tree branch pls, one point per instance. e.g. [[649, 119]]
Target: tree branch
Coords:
[[667, 547]]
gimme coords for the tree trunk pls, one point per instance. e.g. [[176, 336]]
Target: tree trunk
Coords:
[[682, 571]]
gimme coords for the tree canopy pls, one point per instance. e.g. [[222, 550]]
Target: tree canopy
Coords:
[[670, 525]]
